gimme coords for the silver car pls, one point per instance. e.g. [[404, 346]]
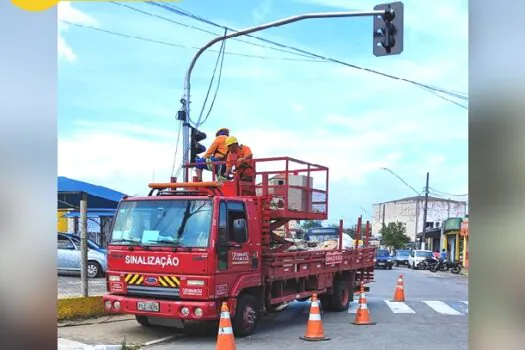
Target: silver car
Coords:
[[69, 255]]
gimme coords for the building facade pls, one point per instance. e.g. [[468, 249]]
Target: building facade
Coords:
[[410, 212]]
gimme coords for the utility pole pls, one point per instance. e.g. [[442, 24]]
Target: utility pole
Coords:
[[425, 210], [384, 206], [83, 244], [387, 40]]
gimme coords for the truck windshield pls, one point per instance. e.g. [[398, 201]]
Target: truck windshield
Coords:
[[181, 223]]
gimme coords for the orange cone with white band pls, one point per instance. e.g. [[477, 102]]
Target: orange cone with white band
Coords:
[[362, 316], [225, 339], [314, 327], [399, 294]]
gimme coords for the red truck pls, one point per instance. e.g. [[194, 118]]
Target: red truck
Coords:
[[186, 247]]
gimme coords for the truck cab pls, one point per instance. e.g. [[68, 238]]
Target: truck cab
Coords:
[[175, 257]]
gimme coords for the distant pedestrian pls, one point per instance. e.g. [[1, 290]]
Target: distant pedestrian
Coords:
[[436, 254], [443, 254]]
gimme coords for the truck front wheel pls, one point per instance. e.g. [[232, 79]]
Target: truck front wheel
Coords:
[[246, 316], [340, 299], [143, 321]]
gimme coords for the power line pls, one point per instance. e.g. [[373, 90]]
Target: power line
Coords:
[[200, 29], [220, 60], [425, 87], [448, 194], [166, 43]]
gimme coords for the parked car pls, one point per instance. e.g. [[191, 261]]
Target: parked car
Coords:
[[91, 244], [383, 259], [416, 256], [401, 257], [69, 257]]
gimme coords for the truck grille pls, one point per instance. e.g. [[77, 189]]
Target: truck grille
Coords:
[[170, 293]]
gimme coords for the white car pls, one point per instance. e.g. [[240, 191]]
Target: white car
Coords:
[[416, 256]]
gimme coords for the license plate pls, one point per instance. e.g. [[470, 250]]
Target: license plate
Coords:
[[148, 306], [381, 263]]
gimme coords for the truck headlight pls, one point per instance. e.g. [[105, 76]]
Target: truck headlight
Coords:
[[114, 278], [198, 312], [185, 311]]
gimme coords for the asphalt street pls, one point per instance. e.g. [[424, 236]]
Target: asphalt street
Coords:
[[71, 286], [434, 316]]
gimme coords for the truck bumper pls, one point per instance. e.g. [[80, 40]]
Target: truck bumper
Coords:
[[122, 304]]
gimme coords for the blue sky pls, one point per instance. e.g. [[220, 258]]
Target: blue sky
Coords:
[[118, 97]]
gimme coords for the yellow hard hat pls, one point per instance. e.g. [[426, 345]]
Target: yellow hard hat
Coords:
[[231, 140], [223, 131]]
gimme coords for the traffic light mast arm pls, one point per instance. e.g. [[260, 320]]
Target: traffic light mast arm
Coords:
[[278, 23]]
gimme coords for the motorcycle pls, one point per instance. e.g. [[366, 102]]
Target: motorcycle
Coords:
[[426, 264], [445, 265]]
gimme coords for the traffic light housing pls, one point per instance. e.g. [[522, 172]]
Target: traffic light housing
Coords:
[[388, 30], [196, 148]]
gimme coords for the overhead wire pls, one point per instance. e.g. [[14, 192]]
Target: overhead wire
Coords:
[[217, 63], [199, 123], [426, 87], [167, 43], [448, 194], [132, 8]]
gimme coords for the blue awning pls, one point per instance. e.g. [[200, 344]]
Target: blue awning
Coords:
[[92, 213]]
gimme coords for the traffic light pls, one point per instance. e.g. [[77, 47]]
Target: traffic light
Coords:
[[388, 30], [196, 148]]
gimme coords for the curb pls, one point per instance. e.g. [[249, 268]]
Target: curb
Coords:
[[80, 307]]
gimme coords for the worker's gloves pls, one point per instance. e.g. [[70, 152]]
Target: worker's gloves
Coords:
[[209, 164]]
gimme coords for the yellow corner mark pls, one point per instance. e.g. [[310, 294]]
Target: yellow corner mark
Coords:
[[43, 5], [35, 5]]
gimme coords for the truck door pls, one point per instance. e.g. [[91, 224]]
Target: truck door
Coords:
[[236, 249]]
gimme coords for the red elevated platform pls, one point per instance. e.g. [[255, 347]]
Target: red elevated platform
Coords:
[[294, 189]]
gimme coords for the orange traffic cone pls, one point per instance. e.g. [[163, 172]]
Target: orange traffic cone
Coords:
[[362, 316], [314, 327], [225, 339], [399, 294]]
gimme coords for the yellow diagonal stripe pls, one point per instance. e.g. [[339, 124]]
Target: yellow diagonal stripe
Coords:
[[170, 282], [176, 280], [128, 276], [161, 280], [139, 281], [135, 277]]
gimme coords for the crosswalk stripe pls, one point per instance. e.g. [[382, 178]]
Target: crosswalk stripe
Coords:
[[353, 307], [442, 308], [399, 307]]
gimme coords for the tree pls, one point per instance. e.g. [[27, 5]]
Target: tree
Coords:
[[393, 235], [308, 224]]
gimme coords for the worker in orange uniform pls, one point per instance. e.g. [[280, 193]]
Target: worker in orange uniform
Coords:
[[216, 152], [241, 157]]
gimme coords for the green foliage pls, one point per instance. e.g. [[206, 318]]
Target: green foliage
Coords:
[[308, 224], [393, 235]]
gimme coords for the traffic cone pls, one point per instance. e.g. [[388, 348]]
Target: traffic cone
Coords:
[[225, 339], [362, 316], [399, 294], [314, 327]]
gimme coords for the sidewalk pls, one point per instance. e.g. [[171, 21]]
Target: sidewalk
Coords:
[[66, 344]]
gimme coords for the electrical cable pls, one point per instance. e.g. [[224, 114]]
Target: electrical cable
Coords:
[[202, 30], [425, 87], [199, 123], [448, 194], [166, 43], [176, 150], [223, 44]]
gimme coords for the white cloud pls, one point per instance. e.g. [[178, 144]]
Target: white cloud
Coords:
[[66, 12]]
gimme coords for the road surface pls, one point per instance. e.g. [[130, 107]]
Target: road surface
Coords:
[[434, 316]]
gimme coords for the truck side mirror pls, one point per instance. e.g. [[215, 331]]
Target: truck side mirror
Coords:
[[240, 233]]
